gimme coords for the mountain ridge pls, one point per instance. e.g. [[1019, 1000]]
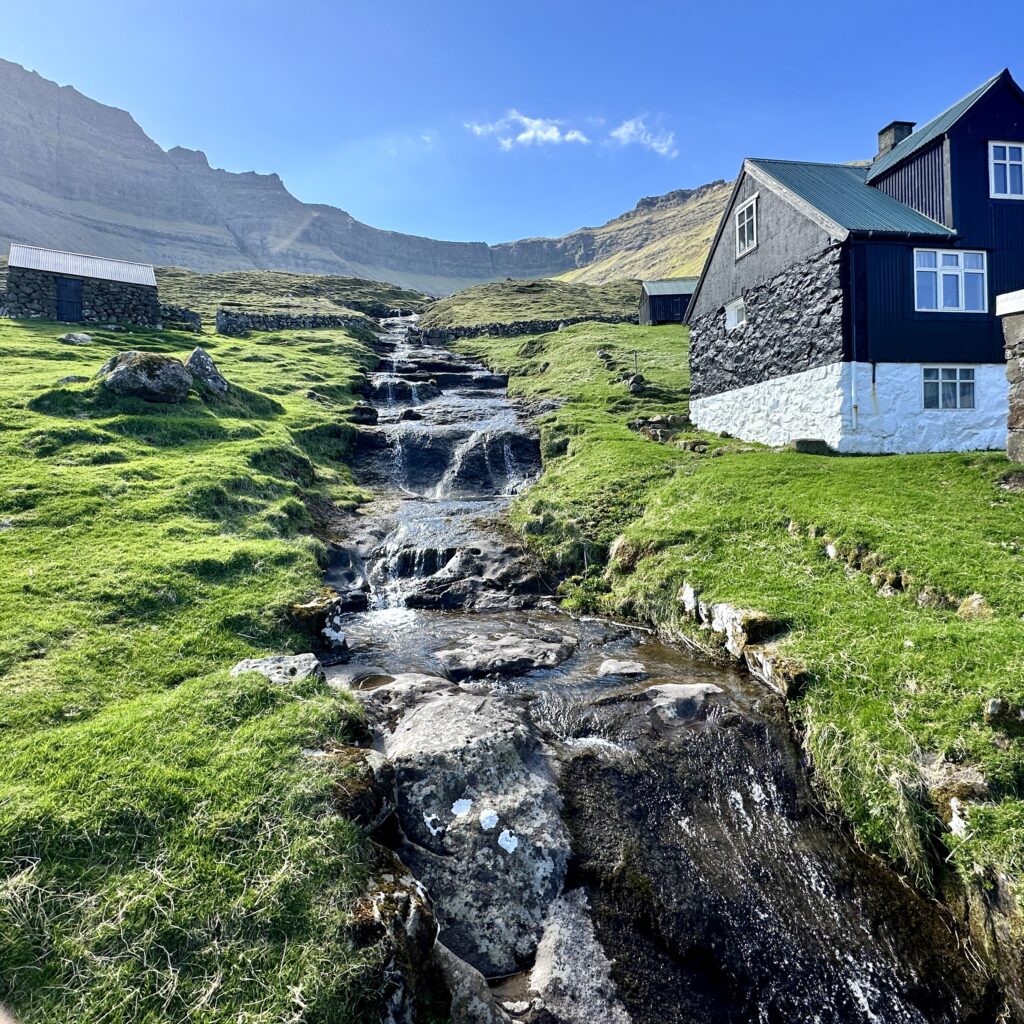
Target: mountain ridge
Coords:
[[81, 175]]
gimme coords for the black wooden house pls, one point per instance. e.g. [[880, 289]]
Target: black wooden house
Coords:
[[666, 301], [69, 286], [856, 302]]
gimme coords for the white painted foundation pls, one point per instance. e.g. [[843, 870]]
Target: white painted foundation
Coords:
[[860, 407]]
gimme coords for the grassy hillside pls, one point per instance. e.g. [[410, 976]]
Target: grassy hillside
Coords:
[[169, 852], [658, 239], [900, 670], [510, 301], [272, 291]]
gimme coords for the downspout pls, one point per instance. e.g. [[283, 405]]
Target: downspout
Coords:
[[853, 336]]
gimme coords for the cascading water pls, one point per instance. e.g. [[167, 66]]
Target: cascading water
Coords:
[[712, 889]]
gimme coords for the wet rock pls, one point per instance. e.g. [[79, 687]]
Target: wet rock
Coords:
[[410, 414], [147, 375], [283, 668], [613, 667], [571, 974], [204, 369], [472, 1002], [332, 633], [479, 809], [680, 701], [505, 654], [75, 338], [363, 415]]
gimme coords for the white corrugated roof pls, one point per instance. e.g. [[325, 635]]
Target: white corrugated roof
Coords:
[[76, 264]]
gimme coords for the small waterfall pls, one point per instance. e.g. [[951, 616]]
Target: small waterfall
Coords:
[[399, 470], [459, 456], [513, 475]]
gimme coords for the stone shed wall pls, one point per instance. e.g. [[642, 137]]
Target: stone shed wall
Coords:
[[32, 294]]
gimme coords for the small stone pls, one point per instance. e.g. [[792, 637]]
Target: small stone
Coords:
[[283, 668], [74, 338], [613, 667], [975, 607], [74, 378], [204, 369], [410, 414]]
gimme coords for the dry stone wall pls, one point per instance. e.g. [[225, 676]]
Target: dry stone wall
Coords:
[[32, 294], [238, 325], [520, 327], [794, 322]]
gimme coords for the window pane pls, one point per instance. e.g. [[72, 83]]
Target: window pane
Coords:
[[927, 290], [1015, 152], [951, 259], [974, 292], [931, 373], [974, 260], [1016, 179], [931, 395], [966, 373], [950, 291], [999, 180], [948, 394], [949, 373], [967, 394], [999, 152], [926, 258]]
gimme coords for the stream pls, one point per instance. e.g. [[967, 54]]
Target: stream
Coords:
[[607, 829]]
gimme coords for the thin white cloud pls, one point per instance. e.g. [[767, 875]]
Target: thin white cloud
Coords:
[[635, 132], [515, 129]]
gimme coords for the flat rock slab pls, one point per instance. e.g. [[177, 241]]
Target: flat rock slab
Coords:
[[505, 654], [613, 667], [480, 812], [283, 668]]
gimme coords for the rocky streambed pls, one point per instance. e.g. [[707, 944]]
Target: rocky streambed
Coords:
[[575, 823]]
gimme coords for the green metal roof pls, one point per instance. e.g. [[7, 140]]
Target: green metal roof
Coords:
[[671, 286], [933, 130], [840, 192]]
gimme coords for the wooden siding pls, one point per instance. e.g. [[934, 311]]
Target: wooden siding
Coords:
[[658, 309], [920, 183]]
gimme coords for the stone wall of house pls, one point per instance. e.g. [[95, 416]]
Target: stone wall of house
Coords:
[[520, 327], [32, 294], [238, 325], [1013, 330], [180, 318], [794, 323]]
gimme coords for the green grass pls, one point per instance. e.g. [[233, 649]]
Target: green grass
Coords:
[[272, 291], [510, 301], [893, 683], [169, 853]]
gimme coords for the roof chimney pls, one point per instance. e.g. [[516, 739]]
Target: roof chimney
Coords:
[[892, 135]]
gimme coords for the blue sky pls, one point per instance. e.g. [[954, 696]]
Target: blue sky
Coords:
[[492, 121]]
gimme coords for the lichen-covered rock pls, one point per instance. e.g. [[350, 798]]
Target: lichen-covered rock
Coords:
[[75, 338], [283, 668], [204, 369], [147, 375], [480, 810], [472, 1002], [505, 654]]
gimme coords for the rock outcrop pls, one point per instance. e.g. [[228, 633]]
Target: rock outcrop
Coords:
[[204, 369]]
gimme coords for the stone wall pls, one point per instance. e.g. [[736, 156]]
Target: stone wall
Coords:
[[794, 323], [520, 327], [32, 294], [238, 325], [1013, 329], [180, 318]]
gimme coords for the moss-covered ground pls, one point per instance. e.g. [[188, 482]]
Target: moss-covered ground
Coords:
[[168, 852], [893, 712]]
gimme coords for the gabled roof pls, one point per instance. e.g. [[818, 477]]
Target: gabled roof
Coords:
[[840, 193], [75, 264], [933, 130], [671, 286]]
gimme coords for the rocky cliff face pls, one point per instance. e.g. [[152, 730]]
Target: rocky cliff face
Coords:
[[75, 174]]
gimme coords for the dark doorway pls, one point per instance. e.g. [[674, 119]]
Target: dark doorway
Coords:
[[677, 309], [69, 299]]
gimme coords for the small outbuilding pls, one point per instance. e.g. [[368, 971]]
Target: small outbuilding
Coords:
[[69, 286], [666, 302]]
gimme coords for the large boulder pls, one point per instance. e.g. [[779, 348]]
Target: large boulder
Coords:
[[204, 369], [146, 375], [480, 814], [483, 654]]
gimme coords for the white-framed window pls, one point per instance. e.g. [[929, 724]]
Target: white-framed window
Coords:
[[746, 227], [950, 281], [1006, 170], [735, 314], [948, 387]]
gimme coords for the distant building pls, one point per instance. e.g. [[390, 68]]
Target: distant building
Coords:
[[856, 303], [665, 302], [53, 285]]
